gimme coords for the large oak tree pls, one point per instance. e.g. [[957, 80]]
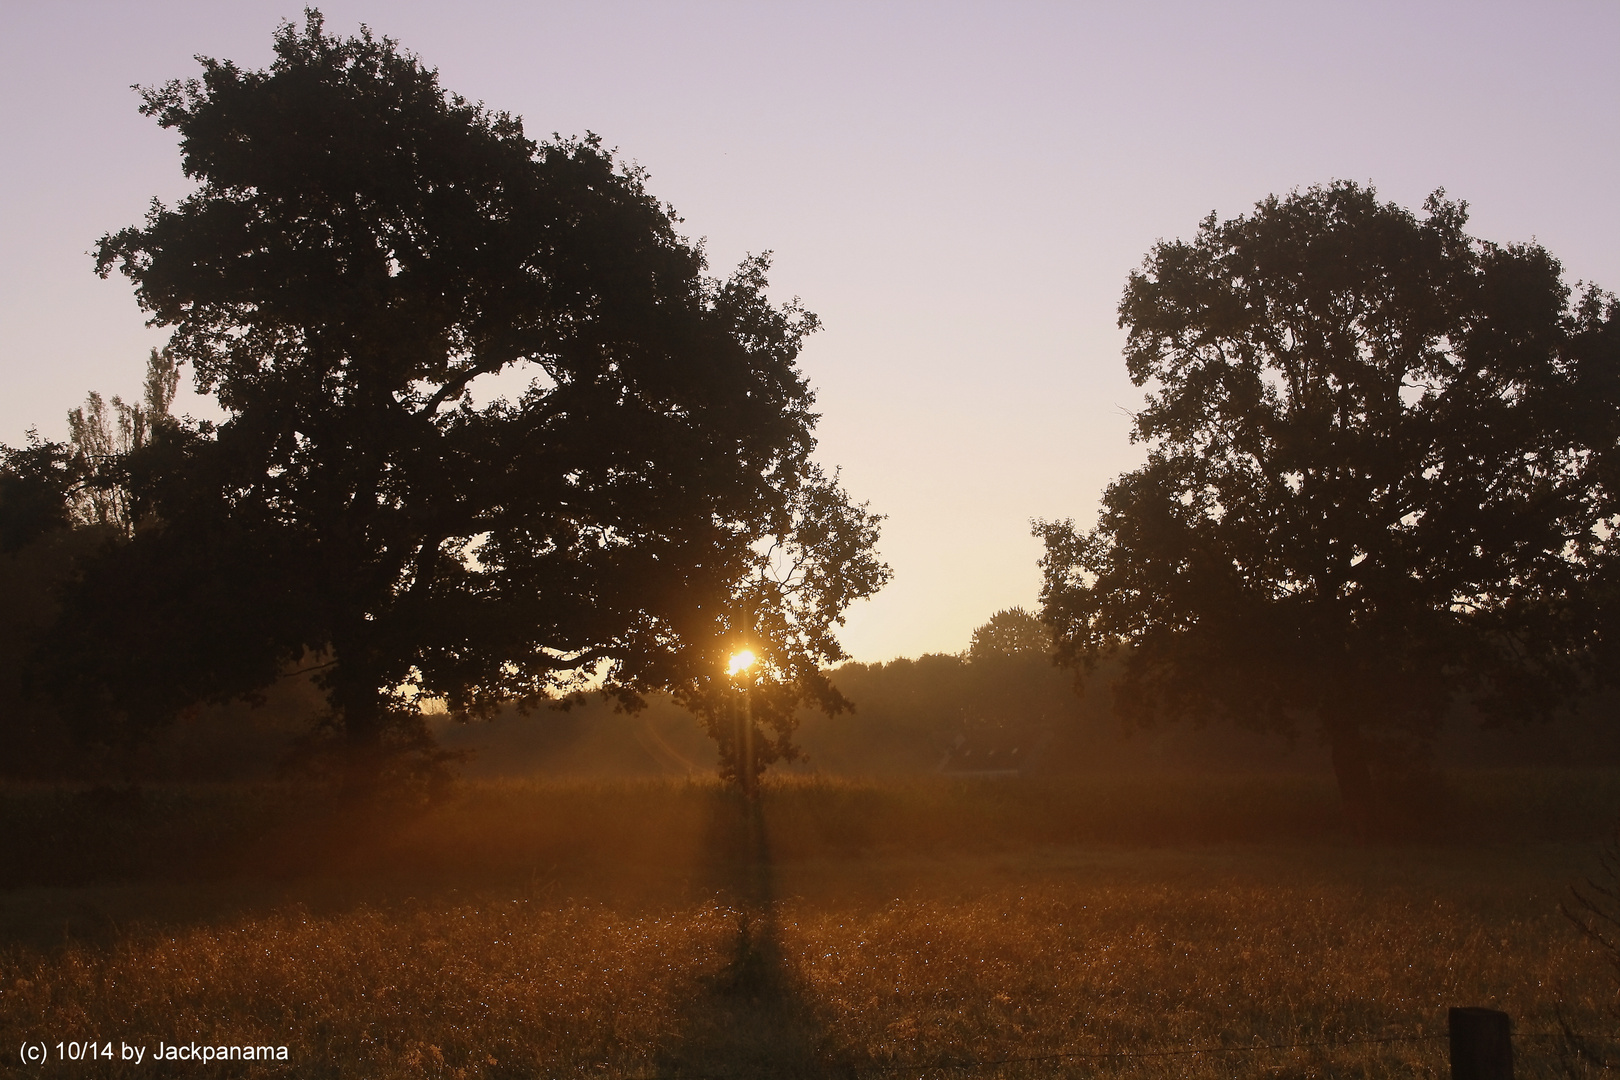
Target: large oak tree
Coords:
[[1380, 480], [362, 255]]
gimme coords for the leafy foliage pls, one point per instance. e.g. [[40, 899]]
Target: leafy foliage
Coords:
[[48, 486], [1011, 632], [104, 435], [362, 254], [1380, 475], [36, 486]]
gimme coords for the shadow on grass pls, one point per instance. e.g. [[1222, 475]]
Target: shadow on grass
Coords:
[[751, 1017]]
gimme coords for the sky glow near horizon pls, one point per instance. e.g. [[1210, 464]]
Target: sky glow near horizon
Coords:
[[957, 190]]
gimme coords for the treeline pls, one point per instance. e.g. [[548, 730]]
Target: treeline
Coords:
[[63, 505], [910, 714], [68, 512]]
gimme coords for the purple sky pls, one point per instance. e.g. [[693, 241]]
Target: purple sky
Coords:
[[958, 190]]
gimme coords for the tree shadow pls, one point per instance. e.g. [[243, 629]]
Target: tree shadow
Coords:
[[751, 1017]]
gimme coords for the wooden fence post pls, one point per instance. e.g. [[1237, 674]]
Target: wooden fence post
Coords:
[[1481, 1044]]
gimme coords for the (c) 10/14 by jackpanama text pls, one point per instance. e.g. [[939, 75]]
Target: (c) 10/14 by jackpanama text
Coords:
[[38, 1053]]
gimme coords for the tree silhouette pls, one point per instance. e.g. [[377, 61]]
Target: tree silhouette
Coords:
[[362, 255], [102, 435], [1011, 632], [1380, 477], [37, 485]]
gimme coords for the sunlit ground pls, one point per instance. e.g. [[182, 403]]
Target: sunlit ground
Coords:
[[529, 930]]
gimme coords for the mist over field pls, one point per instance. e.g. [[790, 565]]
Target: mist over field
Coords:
[[588, 899]]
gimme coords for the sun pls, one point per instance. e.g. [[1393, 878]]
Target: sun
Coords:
[[741, 661]]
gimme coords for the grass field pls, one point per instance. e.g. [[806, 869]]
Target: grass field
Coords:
[[839, 929]]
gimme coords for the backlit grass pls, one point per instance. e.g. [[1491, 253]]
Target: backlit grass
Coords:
[[810, 939]]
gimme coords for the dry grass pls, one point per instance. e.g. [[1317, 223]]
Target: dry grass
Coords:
[[1229, 958], [809, 940], [488, 989]]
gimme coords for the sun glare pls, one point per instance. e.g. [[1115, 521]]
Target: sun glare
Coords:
[[741, 661]]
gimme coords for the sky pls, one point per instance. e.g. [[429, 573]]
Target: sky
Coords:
[[958, 190]]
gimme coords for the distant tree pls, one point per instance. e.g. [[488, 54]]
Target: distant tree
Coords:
[[1008, 681], [46, 486], [1380, 478], [101, 437], [62, 505], [1011, 632], [41, 547], [37, 482], [361, 254]]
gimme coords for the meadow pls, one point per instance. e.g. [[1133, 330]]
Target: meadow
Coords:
[[1150, 925]]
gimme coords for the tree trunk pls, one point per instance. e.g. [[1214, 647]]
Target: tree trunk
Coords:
[[359, 710], [1354, 775]]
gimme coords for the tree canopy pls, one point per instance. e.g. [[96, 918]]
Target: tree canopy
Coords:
[[362, 255], [1380, 479], [1011, 632]]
